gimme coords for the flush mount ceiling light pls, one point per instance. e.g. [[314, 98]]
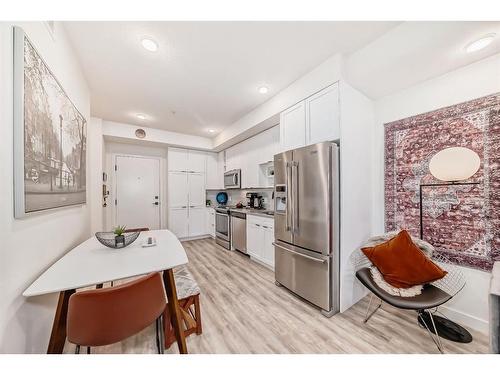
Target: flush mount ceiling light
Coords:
[[480, 43], [149, 44], [141, 116], [211, 130], [263, 89]]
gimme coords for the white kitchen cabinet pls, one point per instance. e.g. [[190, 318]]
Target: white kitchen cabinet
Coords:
[[178, 193], [323, 115], [250, 154], [197, 161], [293, 127], [221, 168], [178, 222], [260, 238], [196, 188], [186, 192], [183, 160], [178, 159], [210, 221], [268, 247], [315, 119], [212, 172], [197, 221]]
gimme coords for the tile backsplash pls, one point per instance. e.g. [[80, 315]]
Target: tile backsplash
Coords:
[[239, 195]]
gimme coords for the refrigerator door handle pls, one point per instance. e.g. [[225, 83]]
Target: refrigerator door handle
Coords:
[[288, 214], [295, 193], [300, 254]]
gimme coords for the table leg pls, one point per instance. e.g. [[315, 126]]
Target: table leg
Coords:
[[174, 310], [58, 335]]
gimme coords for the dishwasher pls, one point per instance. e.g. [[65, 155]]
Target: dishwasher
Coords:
[[239, 231]]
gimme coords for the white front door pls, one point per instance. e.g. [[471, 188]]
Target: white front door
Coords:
[[137, 192]]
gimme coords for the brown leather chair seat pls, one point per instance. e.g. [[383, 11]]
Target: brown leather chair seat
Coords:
[[429, 298], [106, 316]]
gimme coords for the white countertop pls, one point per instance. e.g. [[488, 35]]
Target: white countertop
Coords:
[[92, 263]]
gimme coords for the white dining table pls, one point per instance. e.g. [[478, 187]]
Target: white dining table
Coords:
[[92, 264]]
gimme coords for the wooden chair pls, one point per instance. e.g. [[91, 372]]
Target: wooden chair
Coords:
[[188, 294], [107, 316]]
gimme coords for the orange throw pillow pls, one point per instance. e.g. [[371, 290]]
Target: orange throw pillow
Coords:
[[402, 263]]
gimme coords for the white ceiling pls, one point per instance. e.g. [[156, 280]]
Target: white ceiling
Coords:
[[414, 52], [205, 74]]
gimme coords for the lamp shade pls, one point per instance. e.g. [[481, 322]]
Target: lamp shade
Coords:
[[454, 164]]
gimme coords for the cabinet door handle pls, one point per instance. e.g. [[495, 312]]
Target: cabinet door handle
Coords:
[[257, 225], [264, 226]]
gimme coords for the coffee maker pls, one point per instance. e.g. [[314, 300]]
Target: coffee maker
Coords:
[[254, 200]]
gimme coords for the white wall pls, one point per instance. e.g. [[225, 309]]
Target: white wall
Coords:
[[357, 118], [95, 152], [473, 81], [30, 245], [322, 76], [122, 132], [111, 150]]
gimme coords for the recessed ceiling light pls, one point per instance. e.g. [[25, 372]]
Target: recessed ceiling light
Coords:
[[211, 130], [149, 44], [480, 43], [141, 116], [263, 89]]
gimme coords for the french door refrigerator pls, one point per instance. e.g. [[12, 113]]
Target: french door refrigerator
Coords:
[[306, 223]]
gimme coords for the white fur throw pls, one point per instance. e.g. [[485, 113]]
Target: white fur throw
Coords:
[[413, 291]]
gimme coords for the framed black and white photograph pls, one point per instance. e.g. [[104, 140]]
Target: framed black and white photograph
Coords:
[[49, 136]]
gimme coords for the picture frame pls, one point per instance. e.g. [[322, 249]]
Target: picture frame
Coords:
[[50, 136]]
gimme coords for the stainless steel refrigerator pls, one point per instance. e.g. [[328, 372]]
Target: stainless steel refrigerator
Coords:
[[306, 223]]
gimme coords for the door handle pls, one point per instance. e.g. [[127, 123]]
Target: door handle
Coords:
[[295, 184], [156, 203], [300, 254], [288, 197]]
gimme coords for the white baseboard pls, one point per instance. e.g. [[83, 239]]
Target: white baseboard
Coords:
[[195, 237], [467, 320]]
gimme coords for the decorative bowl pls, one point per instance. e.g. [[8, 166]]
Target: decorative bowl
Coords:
[[113, 241]]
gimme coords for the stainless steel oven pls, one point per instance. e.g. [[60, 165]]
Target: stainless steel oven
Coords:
[[232, 179], [223, 227]]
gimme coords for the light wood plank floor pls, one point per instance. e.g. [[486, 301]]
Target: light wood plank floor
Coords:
[[244, 312]]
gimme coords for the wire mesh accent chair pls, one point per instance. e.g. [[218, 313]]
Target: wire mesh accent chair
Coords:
[[425, 304]]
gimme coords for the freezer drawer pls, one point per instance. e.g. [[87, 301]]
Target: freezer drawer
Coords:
[[304, 273]]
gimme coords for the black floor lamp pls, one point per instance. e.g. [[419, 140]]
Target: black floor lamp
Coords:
[[453, 166]]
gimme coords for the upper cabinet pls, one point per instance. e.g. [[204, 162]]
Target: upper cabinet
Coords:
[[177, 159], [183, 160], [293, 126], [213, 180], [323, 116], [197, 161], [250, 154], [315, 119]]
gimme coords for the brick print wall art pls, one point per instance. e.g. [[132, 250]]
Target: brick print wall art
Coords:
[[462, 222]]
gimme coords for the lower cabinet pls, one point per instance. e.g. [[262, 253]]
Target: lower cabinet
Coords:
[[210, 221], [260, 238], [187, 222], [178, 222]]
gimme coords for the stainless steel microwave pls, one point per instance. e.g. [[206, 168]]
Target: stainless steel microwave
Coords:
[[232, 179]]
